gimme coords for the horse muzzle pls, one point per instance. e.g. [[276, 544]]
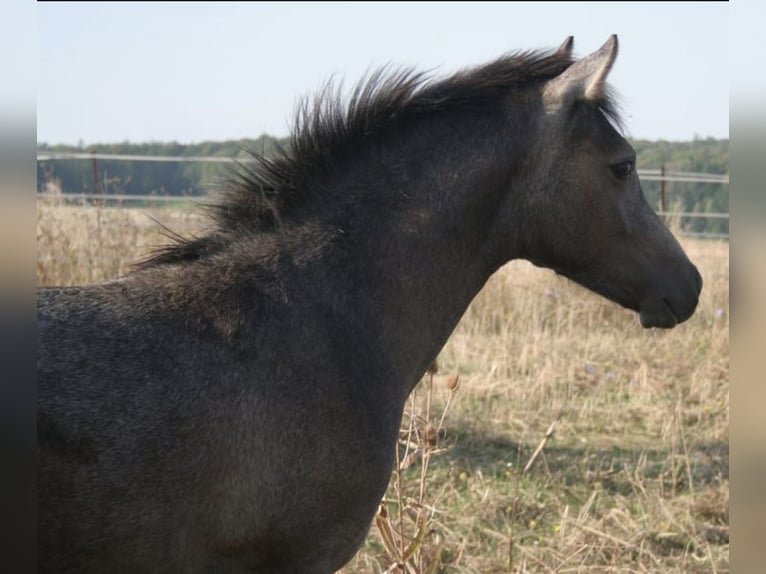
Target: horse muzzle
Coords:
[[674, 306]]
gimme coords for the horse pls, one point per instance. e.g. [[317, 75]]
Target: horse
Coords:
[[232, 404]]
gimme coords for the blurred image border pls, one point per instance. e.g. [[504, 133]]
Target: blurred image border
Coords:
[[17, 281], [748, 286], [748, 306]]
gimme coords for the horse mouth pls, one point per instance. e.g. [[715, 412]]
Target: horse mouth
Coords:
[[658, 313], [654, 311]]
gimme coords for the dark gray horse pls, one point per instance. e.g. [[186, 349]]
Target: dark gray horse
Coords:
[[233, 404]]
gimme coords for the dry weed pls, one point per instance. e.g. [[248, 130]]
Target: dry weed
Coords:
[[635, 476]]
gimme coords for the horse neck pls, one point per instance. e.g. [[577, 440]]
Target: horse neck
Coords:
[[412, 262]]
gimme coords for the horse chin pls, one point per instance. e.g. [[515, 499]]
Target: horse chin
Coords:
[[653, 312], [657, 313]]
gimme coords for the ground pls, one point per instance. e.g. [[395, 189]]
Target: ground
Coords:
[[634, 424]]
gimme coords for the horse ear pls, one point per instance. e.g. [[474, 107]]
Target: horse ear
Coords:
[[583, 80], [566, 48]]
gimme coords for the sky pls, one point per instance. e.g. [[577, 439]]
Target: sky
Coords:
[[191, 72]]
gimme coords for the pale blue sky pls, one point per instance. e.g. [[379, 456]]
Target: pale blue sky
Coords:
[[203, 71]]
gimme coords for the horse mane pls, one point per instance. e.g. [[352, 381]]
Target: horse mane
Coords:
[[263, 196]]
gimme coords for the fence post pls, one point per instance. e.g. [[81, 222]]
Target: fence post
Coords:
[[662, 191], [96, 184]]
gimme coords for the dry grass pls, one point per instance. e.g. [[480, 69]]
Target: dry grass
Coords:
[[84, 244], [635, 476]]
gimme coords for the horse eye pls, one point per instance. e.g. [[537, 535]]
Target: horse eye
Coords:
[[622, 170]]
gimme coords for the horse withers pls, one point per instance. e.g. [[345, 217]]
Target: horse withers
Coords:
[[233, 403]]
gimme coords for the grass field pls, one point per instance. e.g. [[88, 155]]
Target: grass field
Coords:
[[633, 473]]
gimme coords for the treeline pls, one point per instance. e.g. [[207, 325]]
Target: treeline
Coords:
[[146, 177], [699, 155], [197, 178]]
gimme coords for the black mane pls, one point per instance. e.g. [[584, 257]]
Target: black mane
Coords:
[[263, 195]]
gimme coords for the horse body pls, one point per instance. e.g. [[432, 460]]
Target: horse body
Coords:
[[187, 478], [313, 354], [233, 404]]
